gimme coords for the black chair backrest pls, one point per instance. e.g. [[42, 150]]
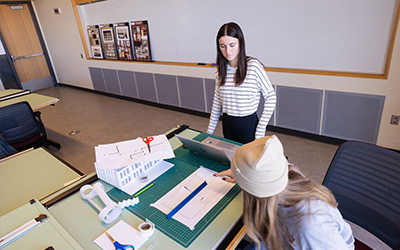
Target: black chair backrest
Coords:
[[365, 180], [5, 149], [19, 125]]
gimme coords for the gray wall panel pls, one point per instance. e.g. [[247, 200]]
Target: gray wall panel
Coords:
[[299, 109], [210, 88], [345, 116], [191, 92], [145, 84], [127, 83], [111, 81], [97, 79], [167, 89], [352, 116]]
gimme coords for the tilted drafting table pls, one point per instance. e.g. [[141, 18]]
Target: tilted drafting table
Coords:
[[12, 93], [81, 221], [47, 234], [32, 174], [36, 101]]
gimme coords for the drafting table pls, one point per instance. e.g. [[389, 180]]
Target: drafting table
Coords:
[[81, 220], [37, 101], [46, 234], [75, 222], [12, 93], [32, 174]]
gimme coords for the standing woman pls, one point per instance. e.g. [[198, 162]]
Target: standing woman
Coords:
[[240, 81]]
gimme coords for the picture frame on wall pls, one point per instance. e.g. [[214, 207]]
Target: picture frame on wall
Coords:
[[107, 37], [95, 41], [97, 52], [123, 40], [141, 40]]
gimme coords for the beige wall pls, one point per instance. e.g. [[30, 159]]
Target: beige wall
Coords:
[[63, 41]]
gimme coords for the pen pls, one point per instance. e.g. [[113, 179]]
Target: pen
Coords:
[[144, 189]]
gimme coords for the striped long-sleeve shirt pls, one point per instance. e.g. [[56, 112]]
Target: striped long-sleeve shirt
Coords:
[[243, 100]]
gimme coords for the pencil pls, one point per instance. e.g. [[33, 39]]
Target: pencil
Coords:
[[144, 189]]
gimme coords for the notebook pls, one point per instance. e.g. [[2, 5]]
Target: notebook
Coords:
[[212, 148]]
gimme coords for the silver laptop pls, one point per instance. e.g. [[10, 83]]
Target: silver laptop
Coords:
[[211, 148]]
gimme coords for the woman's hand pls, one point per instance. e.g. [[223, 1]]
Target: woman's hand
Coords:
[[227, 176]]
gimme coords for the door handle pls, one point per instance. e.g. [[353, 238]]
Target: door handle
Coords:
[[13, 58]]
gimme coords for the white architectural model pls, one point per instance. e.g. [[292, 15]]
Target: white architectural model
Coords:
[[131, 165], [121, 177]]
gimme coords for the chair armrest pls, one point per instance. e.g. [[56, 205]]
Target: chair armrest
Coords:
[[37, 114]]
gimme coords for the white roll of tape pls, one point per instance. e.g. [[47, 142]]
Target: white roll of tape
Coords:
[[146, 229]]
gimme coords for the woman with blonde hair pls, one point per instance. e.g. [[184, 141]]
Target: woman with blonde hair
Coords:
[[282, 208]]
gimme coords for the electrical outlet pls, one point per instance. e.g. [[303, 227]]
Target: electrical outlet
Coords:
[[395, 119]]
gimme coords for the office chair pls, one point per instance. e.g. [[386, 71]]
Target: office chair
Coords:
[[365, 180], [5, 149], [22, 128]]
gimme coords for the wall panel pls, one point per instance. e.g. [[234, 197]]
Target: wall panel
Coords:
[[191, 91], [97, 79], [127, 83], [146, 88], [167, 89], [111, 81], [352, 116], [299, 109]]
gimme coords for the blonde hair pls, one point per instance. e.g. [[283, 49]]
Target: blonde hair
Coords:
[[260, 214]]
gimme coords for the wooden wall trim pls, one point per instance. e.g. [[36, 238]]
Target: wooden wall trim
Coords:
[[78, 2], [390, 53], [75, 4]]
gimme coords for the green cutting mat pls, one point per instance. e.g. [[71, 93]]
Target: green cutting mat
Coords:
[[185, 163]]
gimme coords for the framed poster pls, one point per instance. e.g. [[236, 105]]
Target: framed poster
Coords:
[[107, 37], [95, 41], [141, 40], [123, 37]]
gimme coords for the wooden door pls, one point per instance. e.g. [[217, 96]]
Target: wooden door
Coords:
[[23, 44]]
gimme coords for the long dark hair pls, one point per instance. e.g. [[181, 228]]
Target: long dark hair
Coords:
[[232, 30]]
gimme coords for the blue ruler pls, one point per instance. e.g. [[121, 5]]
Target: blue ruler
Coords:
[[186, 200]]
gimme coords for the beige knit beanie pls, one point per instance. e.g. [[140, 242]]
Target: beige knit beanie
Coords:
[[260, 167]]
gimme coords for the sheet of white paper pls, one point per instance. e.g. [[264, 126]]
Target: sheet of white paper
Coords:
[[152, 174], [203, 202], [123, 233], [117, 155]]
